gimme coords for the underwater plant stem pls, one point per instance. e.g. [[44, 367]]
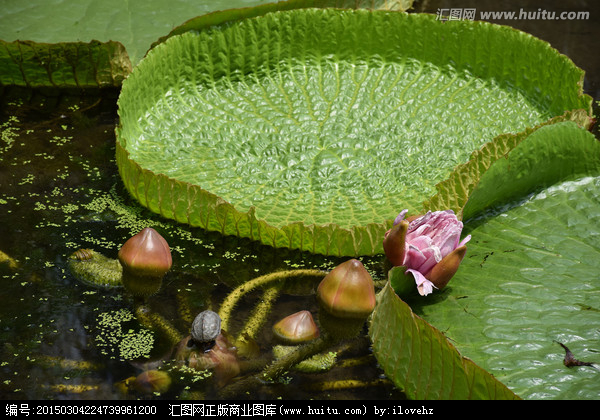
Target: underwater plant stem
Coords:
[[259, 314], [262, 281], [347, 384], [285, 363], [279, 366], [184, 308], [155, 322]]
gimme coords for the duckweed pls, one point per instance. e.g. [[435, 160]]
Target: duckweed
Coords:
[[117, 340]]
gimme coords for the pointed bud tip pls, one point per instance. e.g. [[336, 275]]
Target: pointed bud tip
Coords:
[[297, 328], [348, 291], [442, 272], [146, 253], [394, 243]]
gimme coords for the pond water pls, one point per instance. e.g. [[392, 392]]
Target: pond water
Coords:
[[60, 191]]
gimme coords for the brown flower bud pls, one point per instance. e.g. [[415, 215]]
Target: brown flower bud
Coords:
[[146, 254], [296, 328], [347, 291], [394, 243], [152, 381], [443, 271]]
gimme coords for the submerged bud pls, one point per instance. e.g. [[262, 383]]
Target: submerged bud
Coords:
[[221, 358], [296, 328], [348, 291], [152, 381]]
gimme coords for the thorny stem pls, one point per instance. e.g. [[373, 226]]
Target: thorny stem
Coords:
[[154, 321], [347, 384], [279, 366], [259, 314], [184, 309], [262, 281]]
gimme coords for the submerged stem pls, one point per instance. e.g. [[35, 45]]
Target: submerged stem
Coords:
[[262, 281], [259, 314], [155, 322], [279, 366], [348, 384]]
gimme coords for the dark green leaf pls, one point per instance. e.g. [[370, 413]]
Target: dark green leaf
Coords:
[[421, 361]]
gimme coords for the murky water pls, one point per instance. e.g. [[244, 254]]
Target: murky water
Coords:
[[60, 191]]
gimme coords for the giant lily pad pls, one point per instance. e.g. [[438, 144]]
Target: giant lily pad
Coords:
[[310, 129], [138, 27]]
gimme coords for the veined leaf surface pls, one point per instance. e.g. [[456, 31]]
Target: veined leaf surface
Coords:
[[530, 279], [311, 129]]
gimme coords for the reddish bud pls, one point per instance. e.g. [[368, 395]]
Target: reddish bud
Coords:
[[443, 271], [146, 254], [296, 328], [347, 291], [394, 243], [152, 381]]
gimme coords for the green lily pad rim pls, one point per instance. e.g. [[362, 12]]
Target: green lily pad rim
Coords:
[[199, 207], [455, 191], [220, 17]]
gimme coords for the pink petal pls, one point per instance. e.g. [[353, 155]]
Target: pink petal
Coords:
[[464, 241], [433, 257], [414, 258], [400, 216], [424, 286]]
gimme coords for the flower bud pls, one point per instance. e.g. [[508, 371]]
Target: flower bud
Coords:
[[152, 381], [428, 246], [296, 328], [443, 271], [394, 243], [347, 291], [221, 358], [145, 259], [146, 254]]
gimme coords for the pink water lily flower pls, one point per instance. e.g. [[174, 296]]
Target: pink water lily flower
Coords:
[[428, 246]]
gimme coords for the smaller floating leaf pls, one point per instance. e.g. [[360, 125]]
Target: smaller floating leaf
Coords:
[[421, 361], [403, 285], [63, 65]]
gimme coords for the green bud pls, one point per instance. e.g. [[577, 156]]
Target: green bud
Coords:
[[348, 291]]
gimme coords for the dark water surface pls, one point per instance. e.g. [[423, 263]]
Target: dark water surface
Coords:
[[61, 192]]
